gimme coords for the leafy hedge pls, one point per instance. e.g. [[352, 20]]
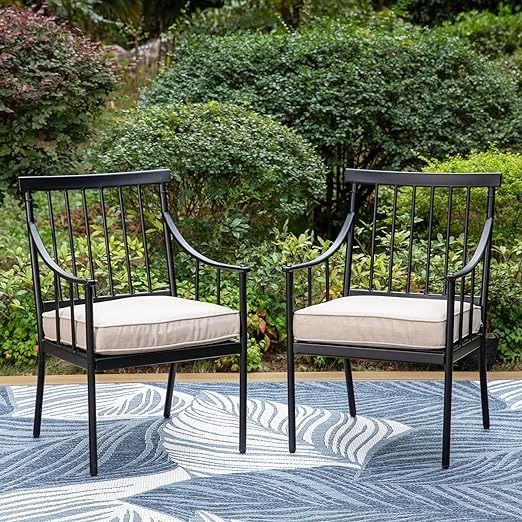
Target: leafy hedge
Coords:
[[433, 12], [53, 81], [236, 174], [273, 15], [493, 35], [17, 311], [364, 98]]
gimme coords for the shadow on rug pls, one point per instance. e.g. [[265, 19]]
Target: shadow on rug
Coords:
[[382, 466]]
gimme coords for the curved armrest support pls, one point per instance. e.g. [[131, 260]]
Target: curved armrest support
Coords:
[[182, 242], [478, 254], [49, 261], [333, 247]]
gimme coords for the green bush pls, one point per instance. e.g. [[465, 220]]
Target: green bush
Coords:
[[512, 65], [505, 299], [494, 35], [53, 81], [508, 208], [271, 15], [236, 174], [365, 98], [17, 312]]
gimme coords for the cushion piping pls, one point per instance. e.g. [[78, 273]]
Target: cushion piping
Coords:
[[385, 317], [52, 314]]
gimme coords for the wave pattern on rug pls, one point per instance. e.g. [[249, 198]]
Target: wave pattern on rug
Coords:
[[383, 465]]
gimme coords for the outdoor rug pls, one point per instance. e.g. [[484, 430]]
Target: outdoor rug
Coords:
[[383, 466]]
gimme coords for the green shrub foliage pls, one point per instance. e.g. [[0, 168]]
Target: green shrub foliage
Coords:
[[271, 15], [53, 81], [508, 211], [366, 99], [17, 313], [498, 37], [432, 12], [236, 174], [494, 35]]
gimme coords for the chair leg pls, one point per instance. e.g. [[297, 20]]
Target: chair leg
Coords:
[[93, 449], [291, 400], [39, 394], [243, 399], [484, 383], [349, 386], [170, 389], [446, 428]]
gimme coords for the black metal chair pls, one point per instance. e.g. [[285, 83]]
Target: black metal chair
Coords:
[[122, 322], [414, 323]]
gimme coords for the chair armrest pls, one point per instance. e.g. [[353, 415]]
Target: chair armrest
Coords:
[[477, 255], [183, 243], [49, 261], [347, 225]]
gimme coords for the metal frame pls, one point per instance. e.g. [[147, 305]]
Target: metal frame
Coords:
[[88, 359], [453, 350]]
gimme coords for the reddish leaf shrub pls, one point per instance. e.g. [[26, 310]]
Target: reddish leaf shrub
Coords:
[[53, 80]]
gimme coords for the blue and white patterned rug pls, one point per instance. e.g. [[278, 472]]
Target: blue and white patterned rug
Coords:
[[384, 466]]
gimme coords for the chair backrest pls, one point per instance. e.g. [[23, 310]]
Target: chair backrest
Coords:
[[412, 228], [106, 227]]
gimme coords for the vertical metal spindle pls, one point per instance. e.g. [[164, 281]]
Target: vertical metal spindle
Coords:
[[144, 239], [464, 261], [57, 298], [461, 311], [428, 248], [73, 323], [309, 286], [196, 293], [168, 241], [349, 245], [88, 233], [466, 227], [327, 277], [71, 237], [410, 247], [448, 234], [107, 244], [372, 258], [472, 291], [392, 241], [125, 240], [57, 283], [52, 225], [218, 286]]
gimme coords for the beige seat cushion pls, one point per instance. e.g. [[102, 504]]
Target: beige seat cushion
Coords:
[[396, 322], [144, 323]]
